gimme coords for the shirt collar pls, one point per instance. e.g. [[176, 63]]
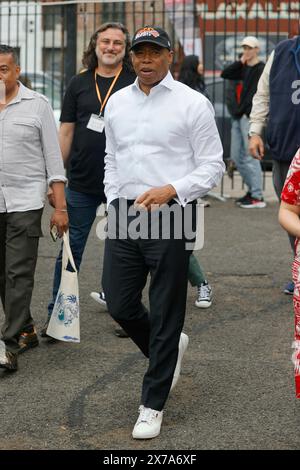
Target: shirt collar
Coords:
[[24, 93], [167, 82]]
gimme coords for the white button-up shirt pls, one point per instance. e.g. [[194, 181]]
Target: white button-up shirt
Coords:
[[166, 137], [30, 155]]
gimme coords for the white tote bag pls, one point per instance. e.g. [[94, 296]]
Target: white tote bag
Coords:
[[64, 322]]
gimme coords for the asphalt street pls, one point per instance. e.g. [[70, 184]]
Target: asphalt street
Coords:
[[236, 390]]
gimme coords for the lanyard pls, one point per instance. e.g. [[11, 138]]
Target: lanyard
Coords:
[[109, 91]]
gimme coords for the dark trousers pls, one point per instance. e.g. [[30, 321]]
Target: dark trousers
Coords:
[[127, 262], [19, 240], [280, 170]]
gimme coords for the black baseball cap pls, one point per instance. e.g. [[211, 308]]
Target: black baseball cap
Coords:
[[151, 35]]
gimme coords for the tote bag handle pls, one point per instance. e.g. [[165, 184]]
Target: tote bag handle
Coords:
[[67, 253]]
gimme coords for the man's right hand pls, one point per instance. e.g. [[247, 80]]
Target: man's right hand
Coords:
[[243, 58], [256, 147]]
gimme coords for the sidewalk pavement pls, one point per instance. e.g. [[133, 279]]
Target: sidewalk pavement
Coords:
[[236, 390]]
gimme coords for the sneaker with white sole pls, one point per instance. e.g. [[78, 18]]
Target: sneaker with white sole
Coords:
[[242, 199], [253, 203], [148, 423], [99, 297], [183, 344], [204, 299]]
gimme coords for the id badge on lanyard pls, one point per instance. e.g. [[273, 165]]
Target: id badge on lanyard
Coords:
[[96, 123]]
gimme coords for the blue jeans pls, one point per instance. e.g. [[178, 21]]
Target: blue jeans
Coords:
[[82, 209], [248, 167]]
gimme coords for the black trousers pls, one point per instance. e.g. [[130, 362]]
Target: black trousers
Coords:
[[127, 262], [19, 240]]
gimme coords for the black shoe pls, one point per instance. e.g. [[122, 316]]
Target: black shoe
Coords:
[[243, 199], [121, 333], [28, 339], [11, 362]]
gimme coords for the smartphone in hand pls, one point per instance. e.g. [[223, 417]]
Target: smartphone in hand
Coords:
[[54, 233]]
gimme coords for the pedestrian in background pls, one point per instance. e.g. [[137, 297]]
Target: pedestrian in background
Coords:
[[82, 138], [248, 69], [191, 74], [30, 161], [163, 150], [276, 109]]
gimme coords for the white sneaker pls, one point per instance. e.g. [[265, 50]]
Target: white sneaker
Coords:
[[183, 344], [148, 423], [99, 297], [204, 299]]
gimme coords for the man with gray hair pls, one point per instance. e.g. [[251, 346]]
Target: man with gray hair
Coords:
[[82, 139], [30, 159]]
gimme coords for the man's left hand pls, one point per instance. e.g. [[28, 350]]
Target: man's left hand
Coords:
[[61, 220], [155, 197]]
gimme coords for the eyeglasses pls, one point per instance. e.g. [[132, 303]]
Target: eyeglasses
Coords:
[[107, 42]]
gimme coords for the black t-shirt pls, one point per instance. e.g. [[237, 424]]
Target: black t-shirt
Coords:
[[250, 76], [86, 161]]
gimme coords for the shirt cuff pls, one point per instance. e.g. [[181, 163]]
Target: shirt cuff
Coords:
[[57, 179], [182, 193], [256, 129]]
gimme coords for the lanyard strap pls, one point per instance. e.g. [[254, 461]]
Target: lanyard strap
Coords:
[[109, 91]]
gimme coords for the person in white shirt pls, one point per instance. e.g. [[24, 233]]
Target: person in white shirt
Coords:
[[30, 160], [163, 152]]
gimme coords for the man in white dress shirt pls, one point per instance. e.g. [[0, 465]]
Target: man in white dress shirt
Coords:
[[163, 152], [30, 159]]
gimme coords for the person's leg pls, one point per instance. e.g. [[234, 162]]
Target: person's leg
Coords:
[[279, 173], [235, 142], [251, 168], [23, 230], [237, 148], [126, 264], [195, 273], [197, 278], [124, 277], [238, 152], [82, 209], [2, 256], [168, 261]]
